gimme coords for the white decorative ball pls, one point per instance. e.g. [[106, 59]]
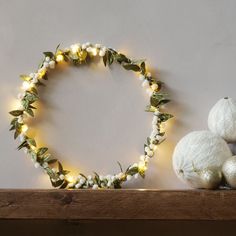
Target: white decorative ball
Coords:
[[222, 119], [199, 150], [229, 171]]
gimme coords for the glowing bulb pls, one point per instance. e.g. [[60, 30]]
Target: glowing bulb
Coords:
[[94, 51], [154, 87], [26, 85], [24, 128], [70, 178], [41, 72], [142, 166], [59, 58], [33, 148], [74, 48]]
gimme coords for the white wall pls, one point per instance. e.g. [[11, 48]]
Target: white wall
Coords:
[[92, 117]]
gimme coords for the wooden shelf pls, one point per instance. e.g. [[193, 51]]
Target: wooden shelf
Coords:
[[118, 204]]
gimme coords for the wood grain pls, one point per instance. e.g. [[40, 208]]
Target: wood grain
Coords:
[[118, 204]]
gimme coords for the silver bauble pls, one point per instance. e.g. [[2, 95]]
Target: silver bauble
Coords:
[[210, 178], [229, 171]]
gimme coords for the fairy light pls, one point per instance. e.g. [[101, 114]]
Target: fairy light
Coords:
[[70, 178], [24, 128], [94, 51], [74, 48], [142, 166], [41, 72], [59, 58], [27, 85], [154, 87]]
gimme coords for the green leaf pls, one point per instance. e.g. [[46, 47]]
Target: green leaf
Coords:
[[57, 183], [66, 172], [30, 112], [132, 171], [30, 97], [12, 128], [57, 48], [121, 169], [49, 54], [45, 77], [64, 184], [163, 101], [117, 184], [110, 58], [105, 59], [148, 140], [164, 117], [17, 133], [42, 150], [22, 145], [60, 167], [143, 67], [132, 67], [122, 58], [52, 161], [34, 90], [150, 108], [39, 83], [16, 112], [14, 121], [158, 99], [25, 77], [31, 141]]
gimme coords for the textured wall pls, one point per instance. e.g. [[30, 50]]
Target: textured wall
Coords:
[[93, 117]]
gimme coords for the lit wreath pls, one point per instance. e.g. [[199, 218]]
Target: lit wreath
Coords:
[[78, 54]]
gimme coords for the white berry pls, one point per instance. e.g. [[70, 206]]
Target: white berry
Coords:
[[52, 64], [36, 165], [95, 186], [145, 83]]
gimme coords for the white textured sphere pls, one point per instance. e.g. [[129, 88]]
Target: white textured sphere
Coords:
[[199, 150], [229, 171], [222, 119]]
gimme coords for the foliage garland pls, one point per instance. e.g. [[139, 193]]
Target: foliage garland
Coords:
[[79, 54]]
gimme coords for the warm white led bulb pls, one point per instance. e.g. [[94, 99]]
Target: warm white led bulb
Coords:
[[26, 85], [24, 128], [74, 48]]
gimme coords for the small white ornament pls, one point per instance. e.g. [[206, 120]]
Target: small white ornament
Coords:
[[95, 186], [36, 165], [52, 64], [154, 87], [45, 165], [129, 177], [61, 177], [141, 77], [210, 178], [102, 53], [197, 151], [46, 64], [222, 119], [229, 171], [71, 185], [145, 83], [77, 186]]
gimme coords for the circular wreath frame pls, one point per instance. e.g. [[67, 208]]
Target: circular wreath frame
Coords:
[[78, 54]]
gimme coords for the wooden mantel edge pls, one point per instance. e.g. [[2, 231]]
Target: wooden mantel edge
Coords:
[[125, 204]]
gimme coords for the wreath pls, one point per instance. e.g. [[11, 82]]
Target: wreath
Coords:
[[78, 54]]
